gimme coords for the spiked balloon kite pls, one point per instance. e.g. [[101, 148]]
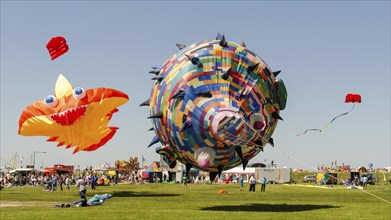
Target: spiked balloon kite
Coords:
[[214, 105], [73, 117]]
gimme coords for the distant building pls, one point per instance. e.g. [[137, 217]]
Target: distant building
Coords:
[[61, 169]]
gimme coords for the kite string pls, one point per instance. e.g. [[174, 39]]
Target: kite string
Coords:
[[313, 167], [309, 165]]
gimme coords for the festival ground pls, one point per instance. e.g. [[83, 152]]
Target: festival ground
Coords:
[[202, 201]]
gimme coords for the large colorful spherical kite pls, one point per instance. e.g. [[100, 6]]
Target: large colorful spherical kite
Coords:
[[214, 105], [73, 117]]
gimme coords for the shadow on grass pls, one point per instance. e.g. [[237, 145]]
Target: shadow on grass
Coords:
[[141, 194], [268, 208]]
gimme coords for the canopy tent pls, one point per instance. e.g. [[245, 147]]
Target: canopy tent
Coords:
[[327, 177], [105, 166], [331, 178], [152, 173], [151, 169]]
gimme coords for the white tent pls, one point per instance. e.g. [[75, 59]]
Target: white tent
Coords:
[[21, 170], [105, 166]]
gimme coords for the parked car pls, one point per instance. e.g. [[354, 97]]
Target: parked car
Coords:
[[310, 178]]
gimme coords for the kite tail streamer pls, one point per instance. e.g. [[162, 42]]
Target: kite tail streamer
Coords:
[[327, 125]]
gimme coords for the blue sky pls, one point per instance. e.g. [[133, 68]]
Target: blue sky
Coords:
[[324, 49]]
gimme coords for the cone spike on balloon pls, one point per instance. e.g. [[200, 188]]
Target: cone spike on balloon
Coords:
[[172, 165], [195, 61], [159, 150], [205, 94], [145, 103], [271, 142], [220, 169], [243, 44], [151, 129], [186, 125], [212, 176], [156, 115], [238, 150], [188, 167], [276, 116], [154, 141], [275, 73], [251, 68], [158, 78], [184, 118], [258, 142], [179, 94], [226, 74], [156, 72], [223, 42], [245, 162], [157, 67], [219, 36], [240, 154], [180, 46]]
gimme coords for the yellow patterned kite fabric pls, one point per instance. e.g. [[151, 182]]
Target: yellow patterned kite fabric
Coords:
[[73, 117]]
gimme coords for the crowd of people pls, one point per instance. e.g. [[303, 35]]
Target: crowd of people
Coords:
[[356, 181], [53, 182]]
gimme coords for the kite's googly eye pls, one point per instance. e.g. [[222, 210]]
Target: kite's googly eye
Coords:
[[79, 93], [50, 101], [257, 121]]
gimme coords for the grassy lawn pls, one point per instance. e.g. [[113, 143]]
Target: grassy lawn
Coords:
[[202, 201]]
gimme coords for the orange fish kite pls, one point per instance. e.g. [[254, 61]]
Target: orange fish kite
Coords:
[[73, 117]]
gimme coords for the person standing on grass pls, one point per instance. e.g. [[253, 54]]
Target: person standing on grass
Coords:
[[241, 183], [68, 183], [54, 183], [93, 181], [263, 182], [82, 186], [252, 182], [61, 181], [227, 179], [364, 182]]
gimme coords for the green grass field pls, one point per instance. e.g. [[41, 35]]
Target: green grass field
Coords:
[[202, 201]]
